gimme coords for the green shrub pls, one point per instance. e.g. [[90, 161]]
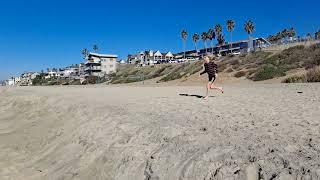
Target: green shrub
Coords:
[[294, 49], [37, 80], [295, 79], [229, 70], [314, 47], [127, 80], [269, 72], [234, 62], [239, 74], [75, 82], [183, 70], [92, 79], [313, 75]]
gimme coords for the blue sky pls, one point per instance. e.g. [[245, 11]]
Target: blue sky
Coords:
[[36, 34]]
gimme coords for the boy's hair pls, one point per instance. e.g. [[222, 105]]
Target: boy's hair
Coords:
[[210, 56]]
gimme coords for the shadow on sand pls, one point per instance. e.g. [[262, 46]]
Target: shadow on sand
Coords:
[[193, 95]]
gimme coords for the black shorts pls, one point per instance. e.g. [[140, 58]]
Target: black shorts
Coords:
[[212, 78]]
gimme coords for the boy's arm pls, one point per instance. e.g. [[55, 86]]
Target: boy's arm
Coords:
[[204, 70], [215, 68]]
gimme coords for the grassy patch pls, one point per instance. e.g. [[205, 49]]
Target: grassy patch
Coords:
[[129, 73], [184, 70], [313, 75], [240, 74], [268, 72]]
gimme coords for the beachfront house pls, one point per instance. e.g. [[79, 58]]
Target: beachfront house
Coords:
[[122, 62], [27, 77], [51, 74], [150, 57], [17, 80], [71, 71], [10, 82], [100, 64], [243, 46]]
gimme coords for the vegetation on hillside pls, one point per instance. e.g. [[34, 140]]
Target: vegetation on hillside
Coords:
[[40, 80], [183, 70], [262, 65], [312, 75], [257, 66], [130, 73]]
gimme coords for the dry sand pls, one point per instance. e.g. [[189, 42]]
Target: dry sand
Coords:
[[266, 131]]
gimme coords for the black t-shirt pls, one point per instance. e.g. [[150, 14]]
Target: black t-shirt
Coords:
[[210, 68]]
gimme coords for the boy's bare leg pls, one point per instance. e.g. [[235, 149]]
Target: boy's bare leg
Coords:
[[212, 86], [207, 92]]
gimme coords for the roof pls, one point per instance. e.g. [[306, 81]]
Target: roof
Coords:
[[225, 45], [103, 55]]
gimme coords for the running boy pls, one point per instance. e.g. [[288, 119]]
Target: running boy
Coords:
[[211, 69]]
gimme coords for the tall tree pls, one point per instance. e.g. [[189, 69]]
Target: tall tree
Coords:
[[85, 53], [218, 29], [184, 36], [221, 39], [292, 32], [211, 35], [204, 38], [230, 26], [317, 35], [309, 36], [95, 48], [195, 39], [249, 28]]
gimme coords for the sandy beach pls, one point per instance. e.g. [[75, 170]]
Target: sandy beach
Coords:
[[252, 131]]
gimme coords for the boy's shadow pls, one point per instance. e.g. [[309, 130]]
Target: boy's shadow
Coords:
[[193, 95]]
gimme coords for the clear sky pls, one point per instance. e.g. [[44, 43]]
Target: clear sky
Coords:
[[37, 34]]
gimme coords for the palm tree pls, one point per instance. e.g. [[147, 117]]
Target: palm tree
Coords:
[[184, 36], [85, 53], [211, 35], [317, 35], [230, 26], [309, 36], [221, 39], [95, 48], [292, 32], [249, 28], [204, 38], [218, 29], [195, 39]]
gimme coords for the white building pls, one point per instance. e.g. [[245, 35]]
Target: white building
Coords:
[[101, 64], [17, 80], [150, 58], [71, 71], [10, 82], [26, 78], [122, 62], [51, 74]]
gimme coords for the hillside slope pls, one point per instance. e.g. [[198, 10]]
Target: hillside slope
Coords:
[[257, 66]]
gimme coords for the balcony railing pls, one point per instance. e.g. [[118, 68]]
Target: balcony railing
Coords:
[[93, 68]]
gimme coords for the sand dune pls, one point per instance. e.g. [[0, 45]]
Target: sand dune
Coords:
[[250, 132]]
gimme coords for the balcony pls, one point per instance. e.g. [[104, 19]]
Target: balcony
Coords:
[[93, 68], [92, 62]]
